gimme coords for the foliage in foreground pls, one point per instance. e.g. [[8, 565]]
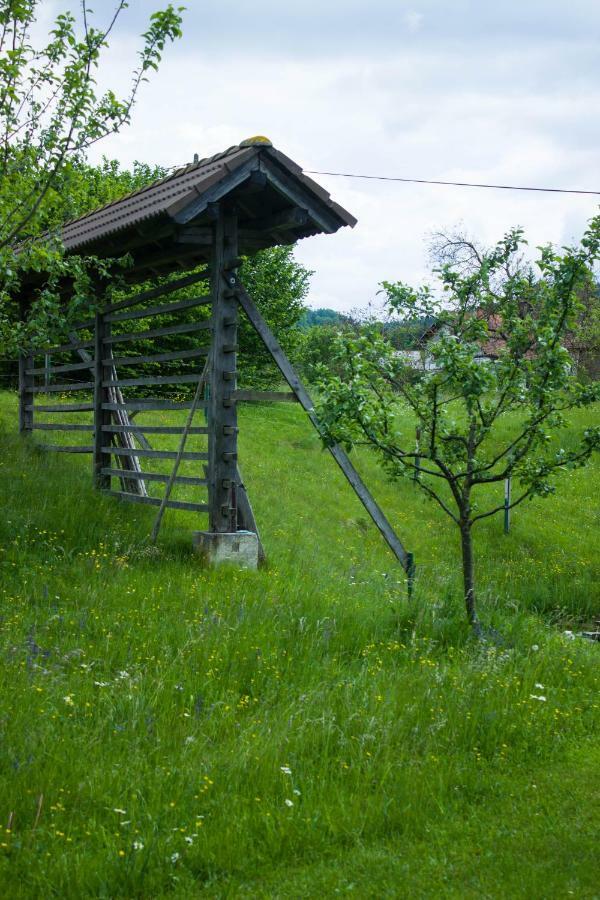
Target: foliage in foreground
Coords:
[[302, 729], [51, 112], [474, 424]]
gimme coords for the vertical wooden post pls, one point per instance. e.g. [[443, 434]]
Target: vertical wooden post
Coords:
[[222, 438], [506, 505], [101, 416], [25, 393]]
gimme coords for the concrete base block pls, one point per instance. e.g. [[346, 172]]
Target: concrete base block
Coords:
[[238, 547]]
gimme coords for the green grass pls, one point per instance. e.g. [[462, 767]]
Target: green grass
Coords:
[[421, 764]]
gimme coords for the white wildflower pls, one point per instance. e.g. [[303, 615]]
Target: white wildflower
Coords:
[[189, 839], [535, 647], [68, 700], [286, 770], [137, 845], [175, 857], [121, 812], [288, 802], [536, 697], [189, 739], [296, 792], [539, 686], [102, 683]]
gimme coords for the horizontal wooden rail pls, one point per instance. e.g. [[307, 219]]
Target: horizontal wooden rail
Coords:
[[159, 291], [165, 309], [156, 501], [65, 348], [152, 379], [63, 448], [264, 397], [87, 323], [62, 426], [153, 454], [148, 404], [154, 429], [62, 407], [154, 358], [54, 370], [69, 386], [154, 476], [184, 328]]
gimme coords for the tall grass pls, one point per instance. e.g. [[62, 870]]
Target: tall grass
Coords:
[[303, 729]]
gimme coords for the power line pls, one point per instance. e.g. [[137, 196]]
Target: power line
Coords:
[[497, 187]]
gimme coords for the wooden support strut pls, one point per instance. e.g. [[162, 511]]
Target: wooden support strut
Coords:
[[340, 456]]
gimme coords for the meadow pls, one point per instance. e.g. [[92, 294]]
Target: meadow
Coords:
[[304, 730]]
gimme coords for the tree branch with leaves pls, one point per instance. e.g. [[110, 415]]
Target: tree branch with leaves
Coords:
[[51, 112]]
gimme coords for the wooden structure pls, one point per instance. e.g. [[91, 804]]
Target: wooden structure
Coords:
[[196, 221]]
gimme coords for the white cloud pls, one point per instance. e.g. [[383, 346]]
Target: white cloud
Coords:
[[492, 98], [413, 21]]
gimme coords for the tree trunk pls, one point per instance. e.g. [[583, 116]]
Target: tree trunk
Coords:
[[469, 576]]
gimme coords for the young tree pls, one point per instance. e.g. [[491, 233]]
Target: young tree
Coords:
[[51, 112], [478, 423]]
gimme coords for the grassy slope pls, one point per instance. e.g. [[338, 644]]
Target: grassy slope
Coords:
[[134, 680]]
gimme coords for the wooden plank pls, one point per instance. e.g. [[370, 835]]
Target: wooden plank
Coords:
[[63, 407], [184, 328], [246, 518], [340, 456], [147, 404], [156, 501], [63, 388], [102, 416], [264, 397], [159, 291], [155, 429], [26, 391], [69, 367], [63, 448], [154, 454], [158, 357], [155, 476], [152, 379], [62, 426], [165, 309]]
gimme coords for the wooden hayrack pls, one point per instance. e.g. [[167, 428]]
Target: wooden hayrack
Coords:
[[199, 220]]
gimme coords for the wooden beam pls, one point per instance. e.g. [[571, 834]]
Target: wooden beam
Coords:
[[281, 221], [102, 416], [247, 396], [159, 291], [156, 501], [222, 417], [26, 393], [340, 456]]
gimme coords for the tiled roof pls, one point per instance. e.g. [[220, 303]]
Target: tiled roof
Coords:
[[170, 194]]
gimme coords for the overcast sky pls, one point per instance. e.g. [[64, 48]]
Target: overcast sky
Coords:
[[445, 89]]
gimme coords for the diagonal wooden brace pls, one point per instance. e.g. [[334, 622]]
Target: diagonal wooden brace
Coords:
[[340, 456]]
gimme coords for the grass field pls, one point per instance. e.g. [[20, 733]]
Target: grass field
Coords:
[[303, 730]]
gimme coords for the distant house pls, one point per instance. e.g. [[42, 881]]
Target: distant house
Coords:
[[586, 358]]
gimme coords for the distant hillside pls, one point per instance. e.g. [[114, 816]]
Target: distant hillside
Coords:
[[313, 317]]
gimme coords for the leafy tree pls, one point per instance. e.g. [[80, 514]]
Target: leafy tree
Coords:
[[51, 112], [478, 423]]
